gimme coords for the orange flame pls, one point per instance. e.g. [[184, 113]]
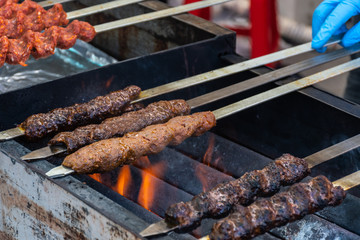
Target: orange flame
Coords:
[[146, 194], [96, 176], [201, 174], [148, 186], [209, 151], [123, 181]]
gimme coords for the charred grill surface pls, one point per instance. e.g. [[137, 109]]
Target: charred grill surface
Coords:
[[97, 109], [154, 113], [301, 199], [42, 44], [218, 201], [108, 154], [32, 16]]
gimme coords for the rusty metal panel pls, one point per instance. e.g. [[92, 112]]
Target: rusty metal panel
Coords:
[[34, 207]]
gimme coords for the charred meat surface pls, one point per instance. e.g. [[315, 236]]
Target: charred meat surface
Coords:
[[285, 170], [108, 154], [300, 199], [97, 109], [154, 113], [42, 44]]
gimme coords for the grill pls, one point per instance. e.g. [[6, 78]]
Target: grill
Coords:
[[121, 203]]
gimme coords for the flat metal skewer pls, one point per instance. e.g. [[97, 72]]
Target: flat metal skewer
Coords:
[[11, 133], [313, 160], [229, 70], [277, 92], [285, 89], [347, 182], [50, 3], [100, 8], [156, 15], [228, 91], [205, 77]]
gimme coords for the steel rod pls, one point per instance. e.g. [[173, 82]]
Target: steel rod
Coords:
[[226, 71], [50, 3], [349, 181], [156, 15], [333, 151], [228, 91], [271, 76], [100, 8], [287, 88]]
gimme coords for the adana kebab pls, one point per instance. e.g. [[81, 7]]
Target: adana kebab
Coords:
[[86, 135], [108, 154], [235, 68], [220, 200], [295, 203], [154, 113], [112, 104]]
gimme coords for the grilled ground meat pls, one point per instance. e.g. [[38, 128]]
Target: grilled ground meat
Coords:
[[108, 154], [36, 20], [155, 113], [285, 170], [301, 199], [97, 109], [42, 44]]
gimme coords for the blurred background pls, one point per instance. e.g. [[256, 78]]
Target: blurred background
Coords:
[[265, 26]]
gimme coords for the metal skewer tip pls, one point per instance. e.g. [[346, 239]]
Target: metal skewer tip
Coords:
[[11, 133], [59, 171], [157, 228], [43, 153]]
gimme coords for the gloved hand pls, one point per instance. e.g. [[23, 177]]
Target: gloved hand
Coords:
[[329, 19]]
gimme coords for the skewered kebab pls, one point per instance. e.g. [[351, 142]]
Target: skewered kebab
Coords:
[[154, 113], [36, 18], [120, 154], [285, 170], [36, 21], [112, 104], [299, 200], [108, 154], [251, 83], [222, 198], [72, 139], [39, 45]]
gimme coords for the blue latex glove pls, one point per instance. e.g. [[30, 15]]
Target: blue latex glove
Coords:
[[329, 19]]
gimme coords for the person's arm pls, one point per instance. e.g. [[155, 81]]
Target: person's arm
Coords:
[[329, 19]]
